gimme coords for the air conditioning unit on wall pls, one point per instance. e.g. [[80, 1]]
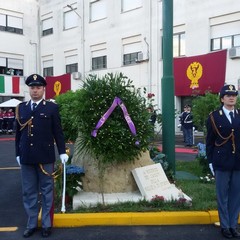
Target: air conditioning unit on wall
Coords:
[[76, 75], [234, 52], [141, 57]]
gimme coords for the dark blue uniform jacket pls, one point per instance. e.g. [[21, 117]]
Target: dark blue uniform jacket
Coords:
[[35, 142], [223, 141]]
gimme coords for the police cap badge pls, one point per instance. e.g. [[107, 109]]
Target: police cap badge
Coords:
[[228, 90], [35, 80]]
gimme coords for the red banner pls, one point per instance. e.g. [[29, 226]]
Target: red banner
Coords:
[[57, 85], [198, 74], [15, 84]]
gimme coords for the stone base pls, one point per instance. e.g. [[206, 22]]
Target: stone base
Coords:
[[87, 199], [117, 177]]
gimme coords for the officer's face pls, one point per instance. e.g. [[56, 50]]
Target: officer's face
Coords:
[[36, 92], [229, 101]]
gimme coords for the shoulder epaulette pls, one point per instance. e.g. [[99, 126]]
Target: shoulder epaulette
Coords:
[[50, 100]]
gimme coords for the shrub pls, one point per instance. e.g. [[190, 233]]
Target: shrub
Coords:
[[114, 141]]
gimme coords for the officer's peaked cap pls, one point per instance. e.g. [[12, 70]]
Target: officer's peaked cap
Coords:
[[35, 80], [228, 90]]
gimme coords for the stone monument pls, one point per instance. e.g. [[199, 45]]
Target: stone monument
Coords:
[[152, 181]]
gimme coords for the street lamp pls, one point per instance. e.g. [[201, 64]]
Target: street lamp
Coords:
[[69, 6], [82, 37], [168, 113]]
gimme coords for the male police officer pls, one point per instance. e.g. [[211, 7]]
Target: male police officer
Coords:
[[38, 127], [223, 154]]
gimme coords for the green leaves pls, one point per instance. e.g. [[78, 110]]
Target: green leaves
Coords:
[[81, 111], [202, 106], [114, 141], [67, 105]]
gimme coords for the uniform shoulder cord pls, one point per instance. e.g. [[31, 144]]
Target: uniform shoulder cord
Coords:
[[55, 174], [231, 135], [23, 125], [58, 172]]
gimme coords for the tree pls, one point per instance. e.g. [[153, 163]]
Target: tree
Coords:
[[202, 106], [68, 103], [115, 142]]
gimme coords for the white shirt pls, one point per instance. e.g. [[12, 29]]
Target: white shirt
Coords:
[[35, 102], [226, 112]]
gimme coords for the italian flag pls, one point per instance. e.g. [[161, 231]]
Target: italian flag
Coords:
[[9, 84]]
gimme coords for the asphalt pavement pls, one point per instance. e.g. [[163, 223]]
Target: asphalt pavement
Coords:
[[13, 218]]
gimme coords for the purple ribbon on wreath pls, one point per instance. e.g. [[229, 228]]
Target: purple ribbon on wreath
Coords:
[[116, 102]]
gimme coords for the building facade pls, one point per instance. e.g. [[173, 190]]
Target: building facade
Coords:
[[99, 36]]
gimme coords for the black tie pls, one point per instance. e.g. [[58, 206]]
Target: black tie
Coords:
[[34, 105], [231, 116]]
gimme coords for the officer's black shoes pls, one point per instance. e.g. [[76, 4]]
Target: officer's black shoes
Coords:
[[46, 232], [226, 233], [235, 232], [29, 232]]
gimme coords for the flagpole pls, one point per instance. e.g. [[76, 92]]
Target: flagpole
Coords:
[[168, 109]]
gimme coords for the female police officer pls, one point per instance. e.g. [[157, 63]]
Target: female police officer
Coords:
[[223, 153]]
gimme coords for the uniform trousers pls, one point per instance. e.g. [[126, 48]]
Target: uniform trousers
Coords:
[[188, 136], [34, 181], [228, 197]]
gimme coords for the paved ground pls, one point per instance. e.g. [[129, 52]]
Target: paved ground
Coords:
[[13, 217]]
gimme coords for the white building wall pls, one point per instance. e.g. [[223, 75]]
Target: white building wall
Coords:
[[21, 46], [200, 20]]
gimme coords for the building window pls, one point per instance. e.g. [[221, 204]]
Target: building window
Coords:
[[48, 71], [179, 45], [11, 66], [236, 40], [128, 5], [98, 10], [215, 44], [99, 56], [99, 62], [132, 46], [47, 68], [130, 58], [70, 68], [225, 42], [47, 27], [11, 24], [70, 19], [71, 62]]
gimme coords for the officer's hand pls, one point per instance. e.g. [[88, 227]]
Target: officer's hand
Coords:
[[18, 160], [211, 168], [64, 158]]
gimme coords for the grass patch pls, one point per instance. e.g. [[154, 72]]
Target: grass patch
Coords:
[[191, 167], [203, 196]]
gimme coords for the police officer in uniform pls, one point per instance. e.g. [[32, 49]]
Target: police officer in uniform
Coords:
[[38, 128], [187, 126], [223, 154]]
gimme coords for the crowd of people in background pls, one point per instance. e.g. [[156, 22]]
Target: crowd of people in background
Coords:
[[7, 119]]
